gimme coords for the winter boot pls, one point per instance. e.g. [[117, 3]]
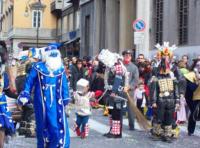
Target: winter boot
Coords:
[[83, 136], [167, 135], [156, 132], [115, 131], [76, 129], [78, 132]]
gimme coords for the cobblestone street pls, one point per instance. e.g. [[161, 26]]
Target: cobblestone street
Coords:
[[99, 125]]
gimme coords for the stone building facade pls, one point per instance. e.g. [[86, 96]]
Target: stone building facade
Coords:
[[108, 24], [179, 24], [26, 24]]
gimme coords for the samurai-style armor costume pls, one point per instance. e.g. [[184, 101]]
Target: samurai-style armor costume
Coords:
[[51, 95], [165, 95], [164, 92]]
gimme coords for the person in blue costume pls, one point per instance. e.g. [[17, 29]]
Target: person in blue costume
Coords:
[[51, 96], [27, 122], [6, 123], [58, 45]]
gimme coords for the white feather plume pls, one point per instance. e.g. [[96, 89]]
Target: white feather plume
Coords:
[[173, 47], [108, 58], [165, 45]]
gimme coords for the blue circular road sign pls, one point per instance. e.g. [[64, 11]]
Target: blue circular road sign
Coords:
[[139, 25]]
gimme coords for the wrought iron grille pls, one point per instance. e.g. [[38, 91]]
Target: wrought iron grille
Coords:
[[183, 6]]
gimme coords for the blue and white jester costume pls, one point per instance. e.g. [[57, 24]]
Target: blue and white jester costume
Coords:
[[51, 95], [6, 122]]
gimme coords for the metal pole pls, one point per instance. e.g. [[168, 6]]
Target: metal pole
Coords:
[[37, 35]]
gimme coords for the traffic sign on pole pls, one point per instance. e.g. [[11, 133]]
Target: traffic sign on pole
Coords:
[[139, 25], [138, 38]]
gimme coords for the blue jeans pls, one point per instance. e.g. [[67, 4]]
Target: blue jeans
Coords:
[[81, 121]]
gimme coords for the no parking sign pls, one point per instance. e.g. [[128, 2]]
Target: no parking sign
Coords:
[[139, 25]]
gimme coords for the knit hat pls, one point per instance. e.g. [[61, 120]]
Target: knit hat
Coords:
[[81, 86]]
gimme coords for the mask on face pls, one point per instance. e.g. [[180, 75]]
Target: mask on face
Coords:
[[164, 66], [126, 61]]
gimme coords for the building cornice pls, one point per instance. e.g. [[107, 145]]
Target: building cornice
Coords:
[[82, 2], [37, 5], [67, 11], [31, 33]]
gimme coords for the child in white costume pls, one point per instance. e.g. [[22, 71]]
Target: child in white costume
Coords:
[[140, 96], [181, 113], [83, 109]]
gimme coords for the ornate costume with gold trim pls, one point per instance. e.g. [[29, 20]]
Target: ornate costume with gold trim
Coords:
[[164, 93]]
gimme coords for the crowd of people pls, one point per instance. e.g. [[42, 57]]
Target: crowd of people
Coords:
[[141, 74], [93, 70], [165, 90]]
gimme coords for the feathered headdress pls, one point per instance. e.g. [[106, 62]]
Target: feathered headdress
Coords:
[[165, 49], [108, 58]]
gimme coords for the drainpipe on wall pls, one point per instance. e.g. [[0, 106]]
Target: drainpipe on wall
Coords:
[[57, 38]]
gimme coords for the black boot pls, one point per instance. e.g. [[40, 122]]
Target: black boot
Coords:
[[115, 130], [109, 135], [167, 139], [106, 134], [118, 136], [190, 134]]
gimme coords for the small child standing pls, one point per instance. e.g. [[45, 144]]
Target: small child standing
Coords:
[[140, 97], [181, 113], [83, 109]]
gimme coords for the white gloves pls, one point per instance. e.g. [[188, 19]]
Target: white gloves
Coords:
[[23, 101], [108, 87]]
